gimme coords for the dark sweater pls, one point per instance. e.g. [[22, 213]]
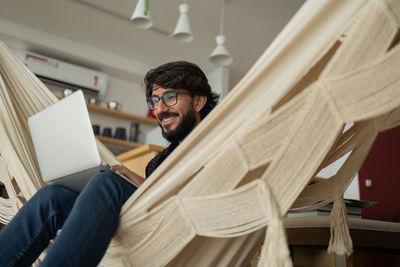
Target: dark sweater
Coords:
[[157, 160]]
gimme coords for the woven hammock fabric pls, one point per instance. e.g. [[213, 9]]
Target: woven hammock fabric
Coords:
[[252, 158]]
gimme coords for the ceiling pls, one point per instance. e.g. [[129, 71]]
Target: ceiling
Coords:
[[250, 26]]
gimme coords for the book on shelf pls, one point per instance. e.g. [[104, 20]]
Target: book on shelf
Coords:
[[317, 212], [353, 209]]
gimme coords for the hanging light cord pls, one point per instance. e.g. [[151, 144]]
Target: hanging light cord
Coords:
[[221, 25], [146, 7]]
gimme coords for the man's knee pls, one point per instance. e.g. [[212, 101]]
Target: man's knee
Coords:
[[54, 194], [107, 182], [103, 178]]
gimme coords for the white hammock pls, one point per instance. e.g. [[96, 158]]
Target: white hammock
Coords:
[[246, 164]]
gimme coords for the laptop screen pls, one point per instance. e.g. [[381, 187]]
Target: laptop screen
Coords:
[[63, 138]]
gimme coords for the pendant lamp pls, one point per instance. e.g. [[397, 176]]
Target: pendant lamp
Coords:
[[141, 16], [182, 30], [220, 55]]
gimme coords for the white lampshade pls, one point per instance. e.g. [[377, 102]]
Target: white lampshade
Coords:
[[139, 18], [220, 54], [182, 30]]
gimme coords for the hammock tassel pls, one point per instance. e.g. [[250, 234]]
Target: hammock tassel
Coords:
[[275, 251], [340, 242]]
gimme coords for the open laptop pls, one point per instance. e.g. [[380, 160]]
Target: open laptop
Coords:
[[65, 144]]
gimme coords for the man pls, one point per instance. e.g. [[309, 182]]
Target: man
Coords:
[[180, 97]]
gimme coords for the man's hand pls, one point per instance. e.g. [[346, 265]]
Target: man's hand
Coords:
[[134, 177]]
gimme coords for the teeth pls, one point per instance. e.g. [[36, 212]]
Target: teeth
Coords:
[[167, 119]]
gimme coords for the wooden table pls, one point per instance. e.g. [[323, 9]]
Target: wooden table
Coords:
[[137, 159], [368, 236]]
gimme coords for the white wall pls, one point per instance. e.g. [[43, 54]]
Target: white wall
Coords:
[[219, 81], [131, 95], [132, 98], [24, 37], [353, 190]]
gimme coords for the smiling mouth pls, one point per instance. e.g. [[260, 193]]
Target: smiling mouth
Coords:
[[167, 118]]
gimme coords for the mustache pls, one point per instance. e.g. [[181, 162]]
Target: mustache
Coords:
[[166, 115]]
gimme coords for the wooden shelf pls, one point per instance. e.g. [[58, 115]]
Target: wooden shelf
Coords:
[[118, 146], [137, 159], [121, 114], [144, 149], [113, 141]]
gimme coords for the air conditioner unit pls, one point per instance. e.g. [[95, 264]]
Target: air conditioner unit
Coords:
[[66, 75]]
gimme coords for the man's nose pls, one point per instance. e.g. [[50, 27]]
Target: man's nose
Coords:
[[160, 107]]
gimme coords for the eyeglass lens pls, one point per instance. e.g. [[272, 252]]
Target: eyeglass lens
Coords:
[[169, 99]]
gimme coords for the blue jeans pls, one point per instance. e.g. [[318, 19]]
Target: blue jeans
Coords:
[[88, 221]]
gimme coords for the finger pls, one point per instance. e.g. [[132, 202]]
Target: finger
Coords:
[[116, 166]]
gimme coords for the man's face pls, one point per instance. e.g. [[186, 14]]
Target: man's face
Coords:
[[176, 121]]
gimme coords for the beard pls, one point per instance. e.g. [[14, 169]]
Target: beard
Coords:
[[182, 129]]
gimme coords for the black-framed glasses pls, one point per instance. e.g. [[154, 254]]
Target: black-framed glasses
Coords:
[[169, 99]]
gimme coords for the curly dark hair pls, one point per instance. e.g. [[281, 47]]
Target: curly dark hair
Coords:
[[182, 75]]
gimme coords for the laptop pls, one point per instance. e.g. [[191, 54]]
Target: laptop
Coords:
[[65, 144]]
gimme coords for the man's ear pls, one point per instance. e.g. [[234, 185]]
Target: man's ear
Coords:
[[199, 102]]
